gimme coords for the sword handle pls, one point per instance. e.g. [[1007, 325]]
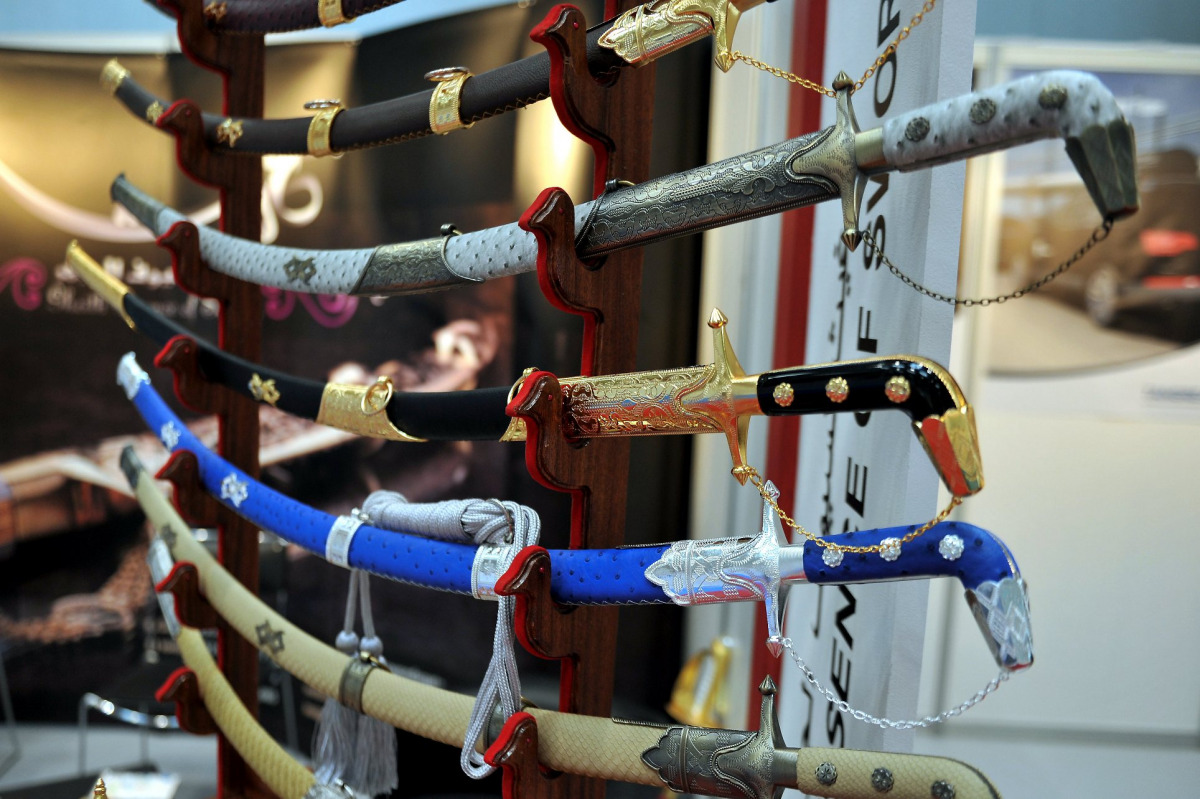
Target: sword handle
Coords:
[[1073, 105], [853, 774]]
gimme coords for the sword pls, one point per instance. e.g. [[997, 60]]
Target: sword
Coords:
[[684, 573], [736, 763], [635, 38], [834, 163], [717, 398]]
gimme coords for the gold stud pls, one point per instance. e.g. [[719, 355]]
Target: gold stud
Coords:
[[229, 131], [263, 390], [837, 389], [897, 389], [783, 394], [215, 12], [154, 111]]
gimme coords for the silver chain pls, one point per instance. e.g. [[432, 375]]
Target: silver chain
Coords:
[[1098, 235], [928, 721]]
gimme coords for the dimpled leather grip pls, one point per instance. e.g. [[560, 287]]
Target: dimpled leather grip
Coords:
[[286, 778], [983, 556], [579, 577], [278, 16], [870, 775]]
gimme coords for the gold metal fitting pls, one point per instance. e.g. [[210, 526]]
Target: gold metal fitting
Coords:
[[154, 111], [698, 696], [112, 76], [516, 430], [654, 29], [897, 389], [330, 13], [229, 131], [444, 115], [320, 127], [263, 390], [215, 12], [952, 443], [783, 394], [111, 290], [360, 409], [837, 389]]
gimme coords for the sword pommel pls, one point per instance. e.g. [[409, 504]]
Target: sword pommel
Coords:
[[952, 444], [1073, 105], [109, 288], [656, 28]]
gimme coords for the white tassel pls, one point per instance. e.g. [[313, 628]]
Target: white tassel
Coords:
[[335, 736], [373, 769]]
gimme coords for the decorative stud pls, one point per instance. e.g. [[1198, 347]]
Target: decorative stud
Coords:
[[154, 111], [941, 790], [99, 791], [263, 390], [229, 131], [826, 774], [300, 270], [951, 547], [783, 394], [215, 12], [881, 779], [897, 389], [917, 129], [271, 639], [889, 549], [234, 490], [1053, 97], [837, 389], [831, 557], [169, 433], [982, 111], [112, 76]]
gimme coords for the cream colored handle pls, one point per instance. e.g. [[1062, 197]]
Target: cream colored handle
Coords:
[[286, 778], [871, 775]]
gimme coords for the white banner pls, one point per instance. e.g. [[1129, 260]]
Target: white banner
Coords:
[[868, 470]]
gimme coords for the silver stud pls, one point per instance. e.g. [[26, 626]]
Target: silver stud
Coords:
[[1053, 97], [917, 129], [982, 111], [826, 774], [951, 547], [831, 557], [941, 790], [881, 779]]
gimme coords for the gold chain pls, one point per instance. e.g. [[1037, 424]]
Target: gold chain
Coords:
[[738, 55], [752, 473]]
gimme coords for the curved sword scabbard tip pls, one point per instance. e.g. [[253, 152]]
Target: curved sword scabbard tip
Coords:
[[952, 444]]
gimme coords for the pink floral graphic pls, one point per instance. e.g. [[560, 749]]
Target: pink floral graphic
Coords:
[[329, 310], [27, 277]]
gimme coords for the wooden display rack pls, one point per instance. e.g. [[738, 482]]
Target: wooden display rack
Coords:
[[612, 116]]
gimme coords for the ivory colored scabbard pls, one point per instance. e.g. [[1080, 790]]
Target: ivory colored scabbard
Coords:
[[285, 777], [865, 775]]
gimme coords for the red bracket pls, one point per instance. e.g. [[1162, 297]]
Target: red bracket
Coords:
[[191, 608], [609, 112], [183, 688], [515, 752]]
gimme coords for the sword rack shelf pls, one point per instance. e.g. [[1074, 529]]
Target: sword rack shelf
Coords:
[[612, 115]]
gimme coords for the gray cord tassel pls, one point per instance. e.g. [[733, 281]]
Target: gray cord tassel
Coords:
[[335, 735], [373, 769]]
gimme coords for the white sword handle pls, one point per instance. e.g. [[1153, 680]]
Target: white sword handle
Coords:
[[1063, 103]]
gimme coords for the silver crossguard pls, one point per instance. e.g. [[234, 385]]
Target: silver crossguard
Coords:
[[832, 163]]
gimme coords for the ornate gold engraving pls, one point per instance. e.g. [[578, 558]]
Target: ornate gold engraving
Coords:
[[321, 125], [783, 394], [154, 111], [952, 444], [112, 76], [897, 389], [654, 29], [342, 406], [837, 389], [444, 115], [696, 399], [330, 13], [229, 131], [263, 390]]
